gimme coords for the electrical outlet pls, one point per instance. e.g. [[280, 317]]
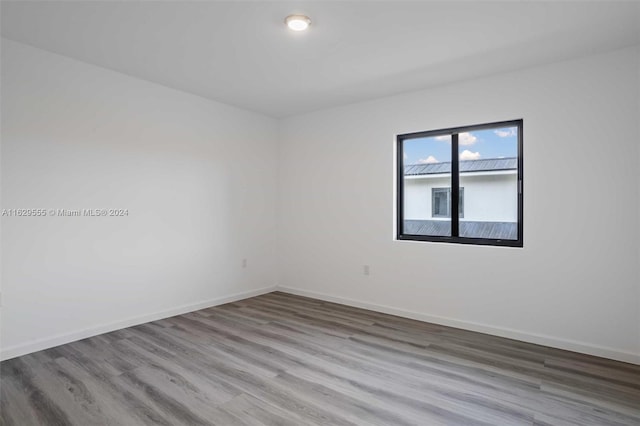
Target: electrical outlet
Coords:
[[365, 270], [244, 263]]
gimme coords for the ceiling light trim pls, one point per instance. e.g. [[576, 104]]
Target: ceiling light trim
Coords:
[[297, 22]]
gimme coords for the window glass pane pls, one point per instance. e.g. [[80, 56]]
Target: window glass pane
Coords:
[[489, 174], [440, 202], [427, 186]]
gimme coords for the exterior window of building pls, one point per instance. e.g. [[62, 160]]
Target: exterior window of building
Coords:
[[481, 166], [440, 202]]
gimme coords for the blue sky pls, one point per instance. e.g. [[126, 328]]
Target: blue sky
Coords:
[[490, 143]]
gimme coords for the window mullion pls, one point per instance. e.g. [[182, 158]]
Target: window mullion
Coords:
[[455, 187]]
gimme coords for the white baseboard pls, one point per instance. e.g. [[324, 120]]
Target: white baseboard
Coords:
[[570, 345], [61, 339], [539, 339]]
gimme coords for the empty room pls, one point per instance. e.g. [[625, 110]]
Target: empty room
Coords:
[[320, 213]]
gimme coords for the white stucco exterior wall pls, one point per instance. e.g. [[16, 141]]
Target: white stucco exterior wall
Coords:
[[487, 197]]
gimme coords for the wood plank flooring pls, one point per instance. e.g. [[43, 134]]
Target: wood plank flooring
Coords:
[[279, 359]]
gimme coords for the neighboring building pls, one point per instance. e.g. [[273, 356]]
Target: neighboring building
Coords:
[[488, 198]]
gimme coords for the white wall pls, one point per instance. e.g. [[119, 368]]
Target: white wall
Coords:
[[576, 282], [418, 200], [491, 198], [487, 197], [198, 178]]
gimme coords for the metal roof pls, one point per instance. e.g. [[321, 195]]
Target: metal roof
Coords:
[[489, 164], [493, 230]]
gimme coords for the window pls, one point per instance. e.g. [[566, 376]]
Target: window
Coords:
[[440, 202], [480, 166]]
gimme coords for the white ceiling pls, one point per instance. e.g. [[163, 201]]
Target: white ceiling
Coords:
[[242, 54]]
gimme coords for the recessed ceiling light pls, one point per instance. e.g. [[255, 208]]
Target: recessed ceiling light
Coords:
[[297, 22]]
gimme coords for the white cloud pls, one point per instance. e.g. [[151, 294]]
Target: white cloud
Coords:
[[466, 138], [468, 155], [429, 160], [505, 133]]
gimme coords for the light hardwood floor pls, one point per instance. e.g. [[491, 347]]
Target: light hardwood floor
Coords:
[[279, 359]]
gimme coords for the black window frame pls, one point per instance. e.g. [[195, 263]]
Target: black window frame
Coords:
[[455, 186]]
